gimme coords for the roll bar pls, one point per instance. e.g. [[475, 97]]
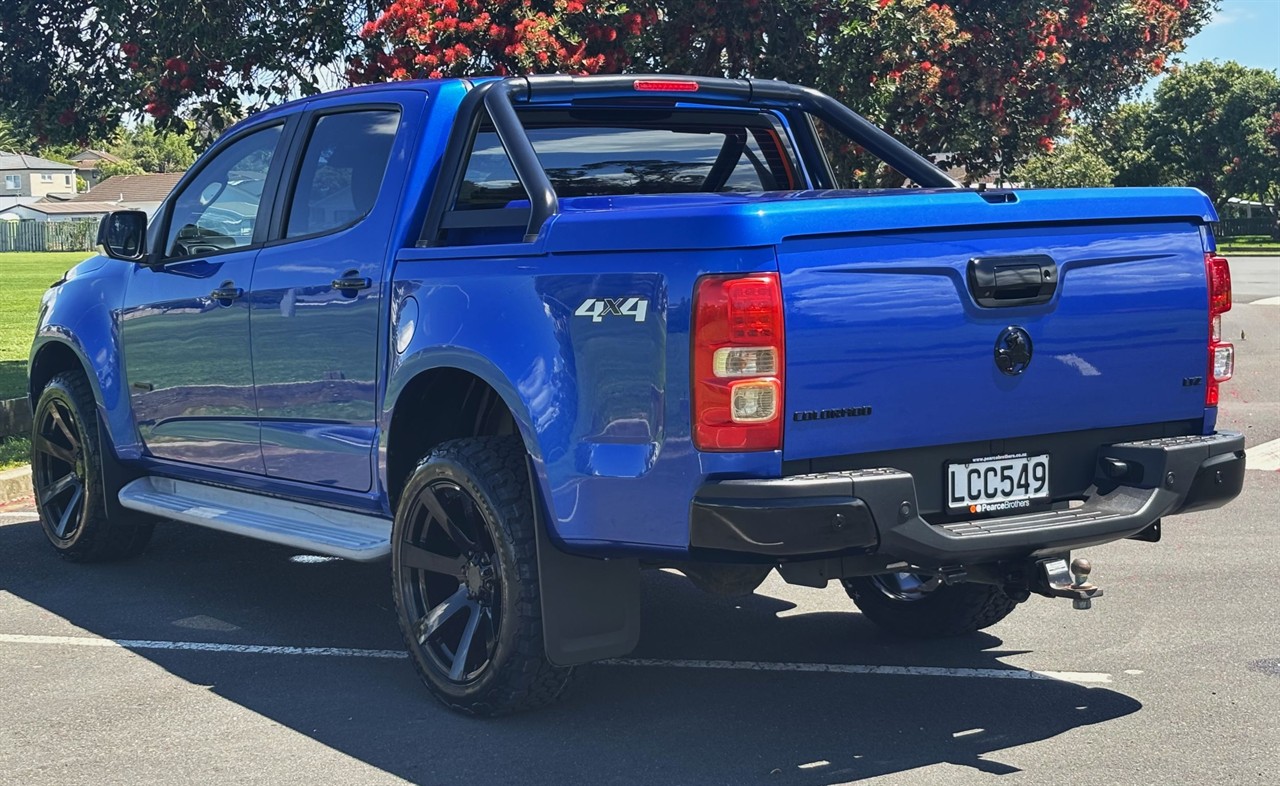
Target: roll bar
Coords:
[[498, 98]]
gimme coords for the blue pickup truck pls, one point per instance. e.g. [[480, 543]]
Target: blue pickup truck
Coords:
[[526, 337]]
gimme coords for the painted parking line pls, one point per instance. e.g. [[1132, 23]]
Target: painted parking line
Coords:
[[1266, 301], [1081, 677], [1265, 457]]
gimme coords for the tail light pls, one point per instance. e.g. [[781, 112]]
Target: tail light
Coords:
[[1222, 355], [738, 363]]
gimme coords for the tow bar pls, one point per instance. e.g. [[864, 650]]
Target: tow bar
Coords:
[[1057, 581]]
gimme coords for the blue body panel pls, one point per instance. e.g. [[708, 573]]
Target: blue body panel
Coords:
[[877, 314]]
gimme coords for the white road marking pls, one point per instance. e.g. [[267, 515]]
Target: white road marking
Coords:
[[1267, 301], [198, 646], [1265, 457], [1088, 677], [1084, 677]]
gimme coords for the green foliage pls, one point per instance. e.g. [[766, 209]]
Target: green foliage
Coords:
[[11, 140], [70, 68], [1075, 164], [108, 169], [153, 150], [1122, 141], [1216, 126]]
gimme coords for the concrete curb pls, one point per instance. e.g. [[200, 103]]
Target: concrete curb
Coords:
[[15, 485]]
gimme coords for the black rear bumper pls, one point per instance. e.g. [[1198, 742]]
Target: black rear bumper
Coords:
[[876, 511]]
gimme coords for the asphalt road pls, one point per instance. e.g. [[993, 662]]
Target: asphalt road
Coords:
[[1173, 677]]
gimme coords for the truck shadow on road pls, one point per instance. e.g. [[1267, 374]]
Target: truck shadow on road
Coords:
[[619, 724]]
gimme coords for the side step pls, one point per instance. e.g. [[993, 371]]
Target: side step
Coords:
[[315, 529]]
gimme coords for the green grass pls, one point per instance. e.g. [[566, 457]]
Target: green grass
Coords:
[[1253, 245], [26, 276], [14, 452]]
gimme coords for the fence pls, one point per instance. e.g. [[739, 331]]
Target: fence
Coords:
[[1243, 227], [77, 235]]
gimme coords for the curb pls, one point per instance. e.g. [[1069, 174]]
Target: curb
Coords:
[[15, 486]]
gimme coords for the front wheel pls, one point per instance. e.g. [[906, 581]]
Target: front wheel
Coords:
[[67, 477], [922, 606], [465, 577]]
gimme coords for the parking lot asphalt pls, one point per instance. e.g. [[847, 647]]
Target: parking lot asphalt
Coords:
[[214, 659]]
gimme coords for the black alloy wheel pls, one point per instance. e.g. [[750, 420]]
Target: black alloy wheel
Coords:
[[68, 479], [58, 468], [465, 577]]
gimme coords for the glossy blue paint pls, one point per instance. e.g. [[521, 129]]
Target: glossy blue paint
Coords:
[[887, 321], [317, 350], [602, 406]]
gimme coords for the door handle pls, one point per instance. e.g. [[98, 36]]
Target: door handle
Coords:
[[226, 292], [352, 283]]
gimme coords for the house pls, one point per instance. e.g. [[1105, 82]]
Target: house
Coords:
[[59, 210], [87, 162], [25, 178], [132, 192]]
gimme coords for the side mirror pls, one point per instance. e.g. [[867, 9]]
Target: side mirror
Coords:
[[123, 235]]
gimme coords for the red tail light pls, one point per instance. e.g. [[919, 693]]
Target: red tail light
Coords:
[[738, 363], [1222, 355]]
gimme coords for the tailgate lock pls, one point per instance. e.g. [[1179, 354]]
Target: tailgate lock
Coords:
[[1004, 282]]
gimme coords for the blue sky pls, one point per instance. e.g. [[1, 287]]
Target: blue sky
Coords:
[[1247, 31]]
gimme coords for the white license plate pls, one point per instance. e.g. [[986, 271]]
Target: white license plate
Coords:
[[997, 484]]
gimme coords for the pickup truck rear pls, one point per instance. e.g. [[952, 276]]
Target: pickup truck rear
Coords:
[[527, 337]]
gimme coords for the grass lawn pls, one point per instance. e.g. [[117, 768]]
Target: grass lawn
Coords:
[[1255, 245], [26, 277], [14, 452]]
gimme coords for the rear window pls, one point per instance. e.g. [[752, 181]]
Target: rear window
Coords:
[[677, 153]]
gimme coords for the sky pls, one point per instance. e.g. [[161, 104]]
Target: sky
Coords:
[[1246, 31]]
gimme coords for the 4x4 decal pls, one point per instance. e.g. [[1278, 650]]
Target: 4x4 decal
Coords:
[[600, 307]]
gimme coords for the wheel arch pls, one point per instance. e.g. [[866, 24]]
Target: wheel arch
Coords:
[[51, 356], [431, 402]]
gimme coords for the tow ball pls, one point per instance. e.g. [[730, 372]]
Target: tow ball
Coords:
[[1059, 581]]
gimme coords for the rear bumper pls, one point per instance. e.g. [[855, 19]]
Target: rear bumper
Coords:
[[876, 511]]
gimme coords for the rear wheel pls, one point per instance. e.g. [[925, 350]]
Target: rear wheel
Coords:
[[922, 606], [465, 577], [67, 477]]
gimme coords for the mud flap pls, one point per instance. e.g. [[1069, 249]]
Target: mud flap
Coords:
[[590, 607]]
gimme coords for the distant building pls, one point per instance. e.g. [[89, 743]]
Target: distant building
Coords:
[[61, 210], [87, 162], [132, 192], [25, 178]]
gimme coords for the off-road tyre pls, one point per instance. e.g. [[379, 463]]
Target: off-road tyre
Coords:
[[498, 577], [945, 611], [68, 478]]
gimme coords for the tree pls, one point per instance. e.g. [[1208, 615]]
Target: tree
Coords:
[[153, 150], [1123, 140], [987, 82], [1076, 164], [70, 68], [1216, 126], [10, 140]]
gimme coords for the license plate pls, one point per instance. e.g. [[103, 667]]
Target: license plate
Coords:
[[997, 484]]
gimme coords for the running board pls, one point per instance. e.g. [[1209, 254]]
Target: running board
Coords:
[[315, 529]]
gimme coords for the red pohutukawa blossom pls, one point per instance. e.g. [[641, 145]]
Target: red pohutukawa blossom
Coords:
[[436, 38]]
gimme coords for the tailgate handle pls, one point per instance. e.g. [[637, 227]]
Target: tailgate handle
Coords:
[[1003, 282]]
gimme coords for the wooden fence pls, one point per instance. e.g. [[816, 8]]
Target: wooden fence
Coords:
[[77, 235], [1243, 227]]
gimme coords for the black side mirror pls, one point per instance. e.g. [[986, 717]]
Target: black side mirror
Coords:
[[123, 235]]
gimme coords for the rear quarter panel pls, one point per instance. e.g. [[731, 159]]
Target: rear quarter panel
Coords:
[[602, 405]]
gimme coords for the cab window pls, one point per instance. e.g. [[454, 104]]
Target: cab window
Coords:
[[342, 170], [218, 209]]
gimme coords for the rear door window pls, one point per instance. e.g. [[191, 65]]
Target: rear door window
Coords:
[[342, 170]]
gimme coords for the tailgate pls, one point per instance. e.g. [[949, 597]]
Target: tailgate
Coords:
[[888, 347]]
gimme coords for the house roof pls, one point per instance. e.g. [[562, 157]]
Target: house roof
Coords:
[[23, 161], [132, 188], [89, 154], [74, 207]]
